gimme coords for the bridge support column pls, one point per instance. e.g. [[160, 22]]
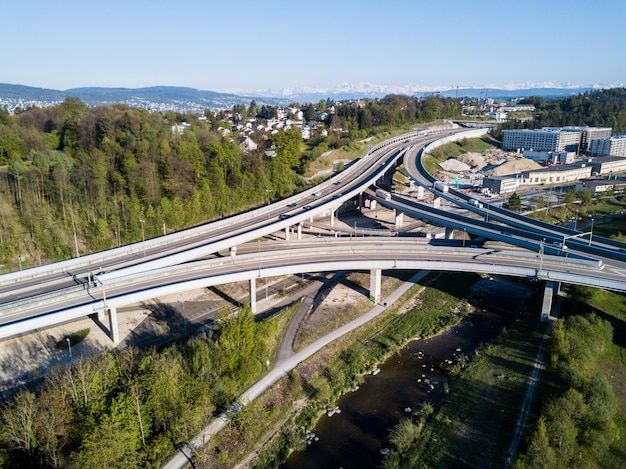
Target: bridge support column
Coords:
[[252, 295], [449, 233], [550, 290], [300, 230], [332, 217], [287, 230], [101, 316], [399, 218], [437, 202], [115, 333], [375, 280]]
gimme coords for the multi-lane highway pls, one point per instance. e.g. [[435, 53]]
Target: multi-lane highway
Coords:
[[207, 239], [68, 290], [299, 256], [515, 228]]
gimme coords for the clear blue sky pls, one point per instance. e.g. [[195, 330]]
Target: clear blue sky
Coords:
[[250, 45]]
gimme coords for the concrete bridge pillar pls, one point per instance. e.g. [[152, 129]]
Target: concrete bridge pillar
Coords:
[[375, 281], [233, 251], [252, 295], [332, 217], [300, 230], [101, 316], [113, 327], [437, 202], [550, 290], [399, 218], [287, 230], [449, 233]]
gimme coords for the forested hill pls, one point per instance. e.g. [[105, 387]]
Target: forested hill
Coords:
[[606, 108], [112, 174], [156, 98]]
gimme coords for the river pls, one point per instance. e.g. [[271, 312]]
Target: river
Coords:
[[354, 437]]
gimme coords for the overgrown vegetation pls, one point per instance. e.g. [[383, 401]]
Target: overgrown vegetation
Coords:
[[578, 426], [73, 338], [580, 207], [439, 306], [126, 409], [111, 175]]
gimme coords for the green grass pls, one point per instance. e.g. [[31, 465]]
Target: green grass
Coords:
[[75, 338], [455, 149], [476, 421]]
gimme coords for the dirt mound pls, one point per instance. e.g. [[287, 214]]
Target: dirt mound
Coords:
[[514, 166], [474, 160], [454, 166]]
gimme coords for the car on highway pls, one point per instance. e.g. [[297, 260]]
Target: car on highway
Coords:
[[292, 205], [307, 207], [317, 194], [282, 216]]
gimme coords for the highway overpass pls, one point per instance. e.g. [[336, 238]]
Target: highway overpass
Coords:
[[103, 282], [332, 254]]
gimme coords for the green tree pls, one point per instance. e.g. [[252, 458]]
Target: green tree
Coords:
[[253, 110], [288, 148], [19, 421], [114, 442], [585, 197], [570, 196], [514, 202]]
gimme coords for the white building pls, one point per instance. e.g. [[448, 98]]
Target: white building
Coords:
[[558, 174], [547, 139], [608, 165], [569, 138], [611, 146], [550, 157], [589, 134]]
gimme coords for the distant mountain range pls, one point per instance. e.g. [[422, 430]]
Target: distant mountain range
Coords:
[[190, 99]]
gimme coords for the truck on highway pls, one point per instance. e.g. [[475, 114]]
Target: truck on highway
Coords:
[[475, 203], [441, 186], [383, 194]]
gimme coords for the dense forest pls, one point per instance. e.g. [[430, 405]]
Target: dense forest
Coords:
[[112, 174], [129, 409], [605, 108]]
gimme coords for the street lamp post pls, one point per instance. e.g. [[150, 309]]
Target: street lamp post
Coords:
[[591, 232], [69, 348], [541, 255], [76, 244], [143, 238]]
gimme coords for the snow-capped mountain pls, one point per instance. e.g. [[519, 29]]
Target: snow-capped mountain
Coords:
[[370, 90]]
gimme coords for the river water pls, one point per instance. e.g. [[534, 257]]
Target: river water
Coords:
[[354, 437]]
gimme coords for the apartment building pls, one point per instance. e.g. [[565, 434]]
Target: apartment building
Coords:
[[546, 139], [569, 138], [609, 146]]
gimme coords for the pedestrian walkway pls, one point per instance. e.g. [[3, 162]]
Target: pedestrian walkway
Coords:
[[281, 368]]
